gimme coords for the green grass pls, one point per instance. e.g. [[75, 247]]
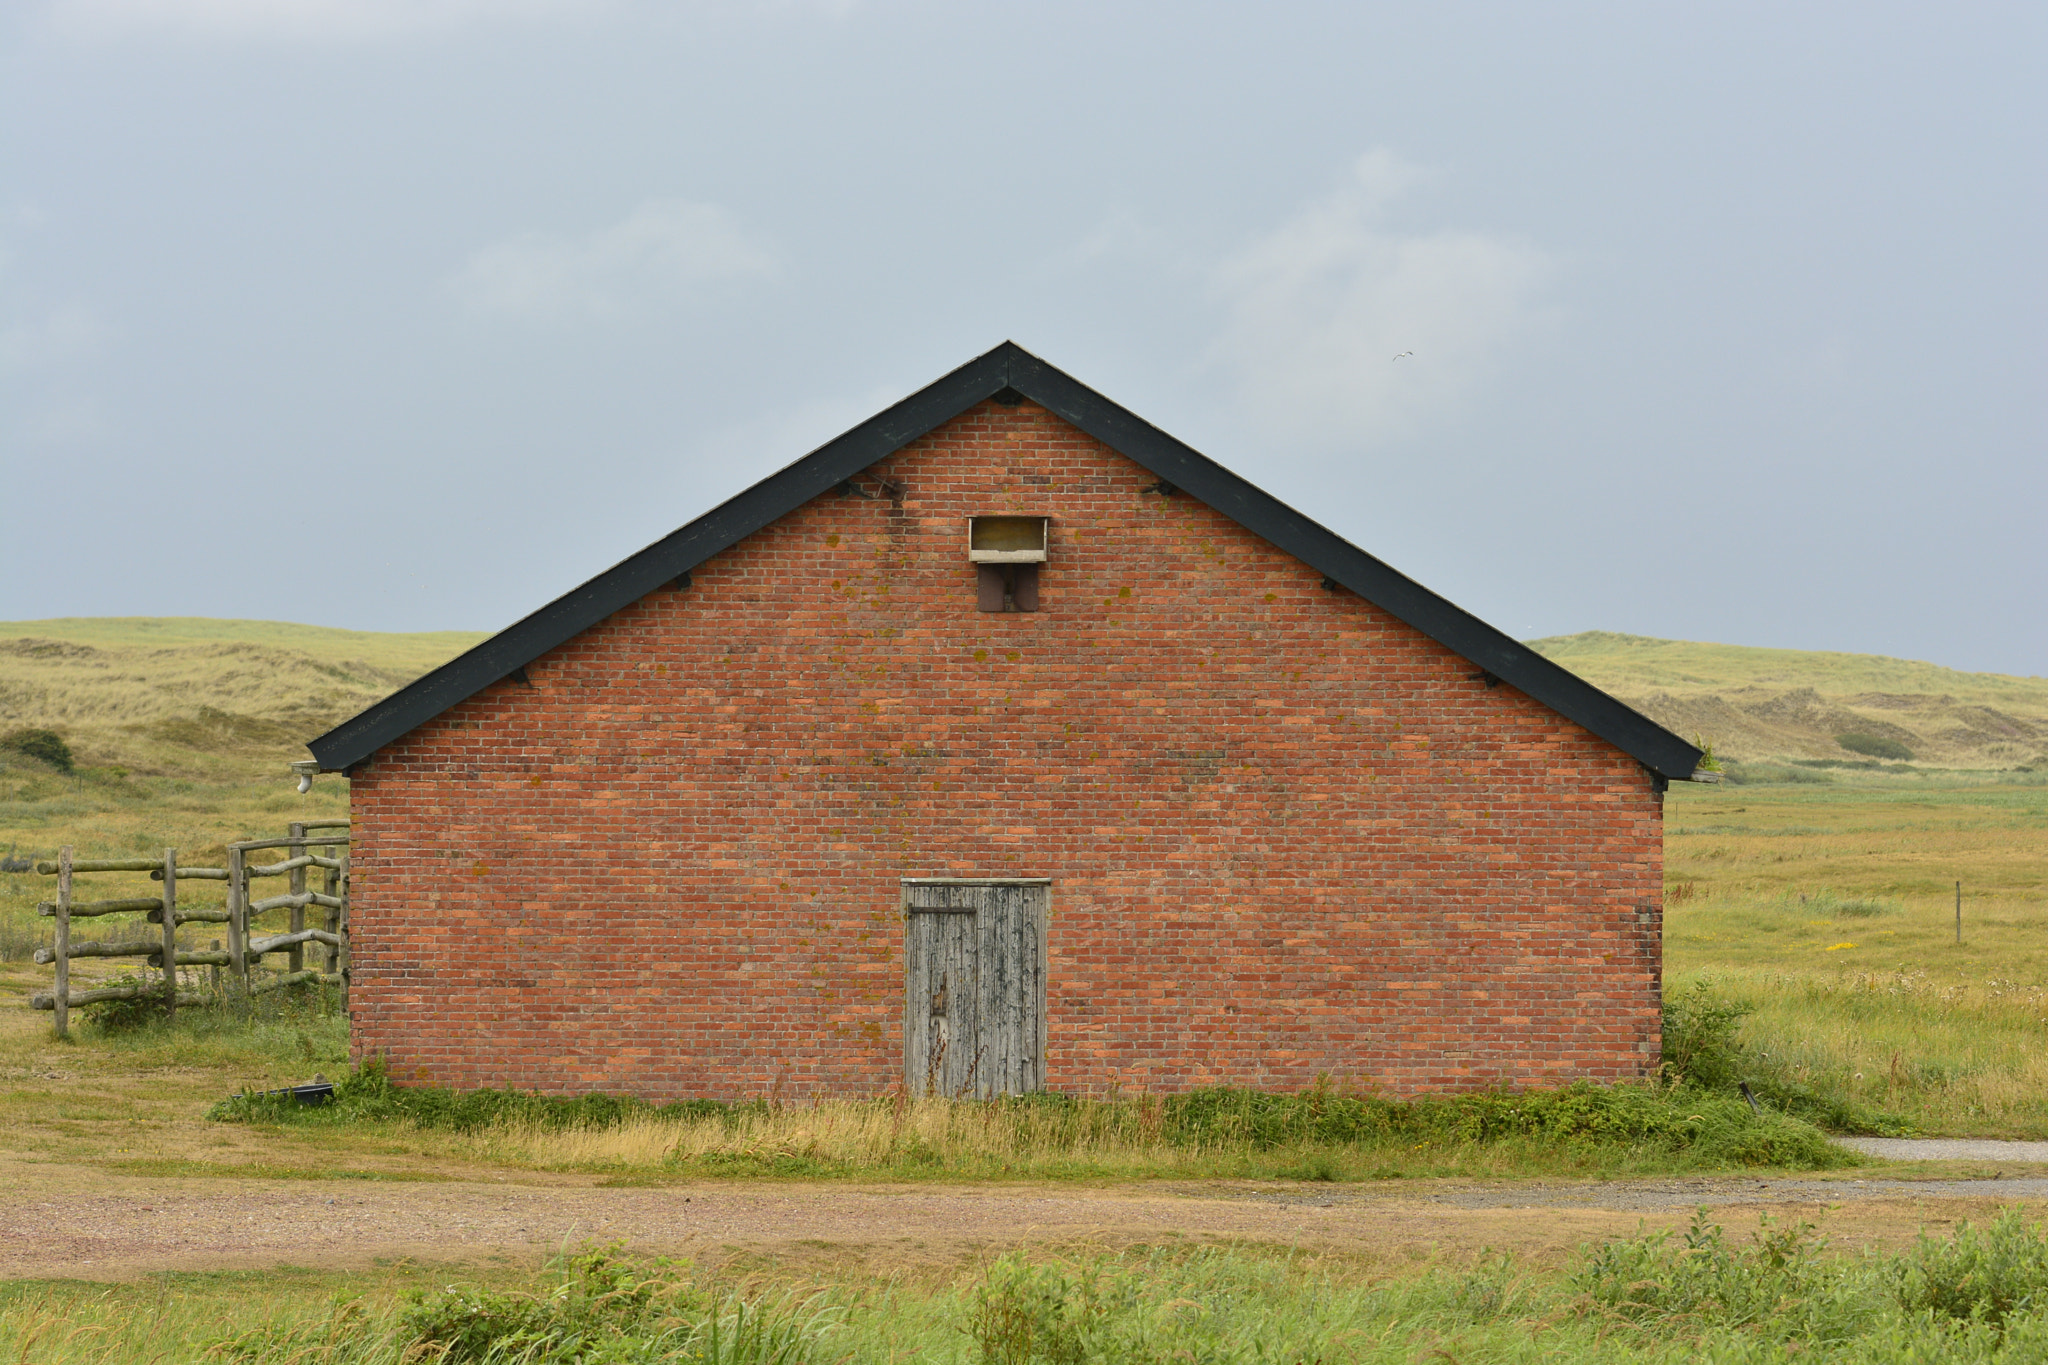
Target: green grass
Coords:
[[1830, 914], [1977, 1297]]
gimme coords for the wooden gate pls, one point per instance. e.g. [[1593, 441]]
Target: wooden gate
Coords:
[[974, 985]]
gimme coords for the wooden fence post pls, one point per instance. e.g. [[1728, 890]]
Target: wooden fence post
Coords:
[[238, 919], [61, 948], [342, 953], [295, 959], [332, 919], [170, 933]]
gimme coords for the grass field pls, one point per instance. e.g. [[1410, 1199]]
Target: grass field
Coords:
[[1831, 910]]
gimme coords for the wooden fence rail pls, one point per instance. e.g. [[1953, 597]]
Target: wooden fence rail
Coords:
[[161, 951]]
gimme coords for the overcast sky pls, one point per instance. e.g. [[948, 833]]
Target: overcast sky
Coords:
[[1727, 321]]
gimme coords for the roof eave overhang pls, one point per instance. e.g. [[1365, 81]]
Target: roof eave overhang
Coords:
[[1007, 366]]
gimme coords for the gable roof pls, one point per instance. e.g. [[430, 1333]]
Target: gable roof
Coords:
[[1008, 366]]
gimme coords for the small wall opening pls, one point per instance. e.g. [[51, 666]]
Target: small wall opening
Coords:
[[1006, 587]]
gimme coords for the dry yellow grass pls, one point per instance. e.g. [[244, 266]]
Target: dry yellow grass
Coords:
[[864, 1135], [194, 698], [1756, 704]]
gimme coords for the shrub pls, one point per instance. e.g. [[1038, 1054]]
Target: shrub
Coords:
[[1702, 1052], [122, 1016], [1873, 746], [603, 1310], [1699, 1039], [1777, 1287], [1985, 1275], [1719, 1129], [46, 746], [599, 1300], [1024, 1314]]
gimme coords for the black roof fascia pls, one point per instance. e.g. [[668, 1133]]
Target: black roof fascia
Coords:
[[1177, 464]]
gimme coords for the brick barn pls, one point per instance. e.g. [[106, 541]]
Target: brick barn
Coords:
[[1004, 743]]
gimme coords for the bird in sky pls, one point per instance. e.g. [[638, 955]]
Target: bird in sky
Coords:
[[1404, 355]]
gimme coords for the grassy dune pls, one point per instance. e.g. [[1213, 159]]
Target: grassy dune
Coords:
[[195, 698], [1757, 704]]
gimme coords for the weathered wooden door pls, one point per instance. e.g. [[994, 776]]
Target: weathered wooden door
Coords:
[[974, 990]]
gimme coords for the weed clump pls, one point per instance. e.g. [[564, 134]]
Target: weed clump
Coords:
[[1779, 1286], [1988, 1275], [602, 1308], [368, 1094], [1716, 1129], [598, 1300]]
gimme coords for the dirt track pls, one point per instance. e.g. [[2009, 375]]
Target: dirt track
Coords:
[[208, 1224]]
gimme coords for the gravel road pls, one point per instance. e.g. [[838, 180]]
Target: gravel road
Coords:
[[214, 1224], [1947, 1149]]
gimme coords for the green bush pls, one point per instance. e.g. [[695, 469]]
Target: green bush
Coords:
[[1873, 746], [1987, 1275], [123, 1016], [1026, 1314], [1778, 1287], [1699, 1039], [1717, 1128], [46, 746], [603, 1309], [599, 1301]]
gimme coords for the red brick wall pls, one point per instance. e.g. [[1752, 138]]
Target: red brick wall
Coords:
[[1289, 835]]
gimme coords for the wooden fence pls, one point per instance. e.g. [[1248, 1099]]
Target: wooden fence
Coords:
[[243, 908]]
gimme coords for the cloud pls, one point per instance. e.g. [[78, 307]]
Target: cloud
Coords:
[[664, 251], [297, 19], [1318, 308]]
